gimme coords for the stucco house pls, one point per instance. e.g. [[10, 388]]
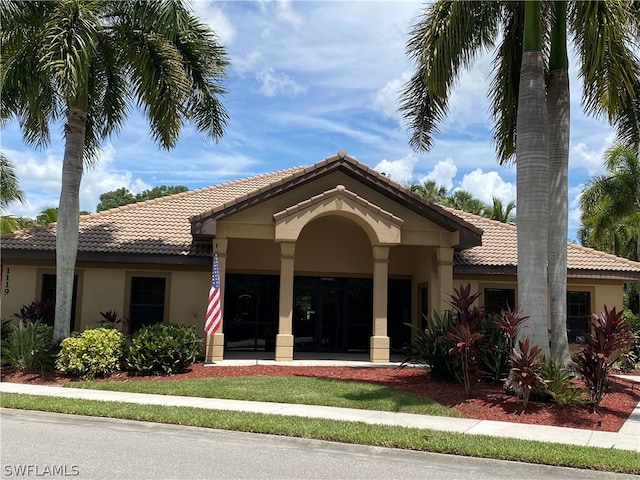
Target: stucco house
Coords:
[[332, 257]]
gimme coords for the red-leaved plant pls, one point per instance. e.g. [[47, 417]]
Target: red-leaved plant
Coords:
[[509, 320], [465, 333], [609, 338], [525, 378]]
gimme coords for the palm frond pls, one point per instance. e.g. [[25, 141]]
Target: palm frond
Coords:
[[503, 93], [609, 68], [447, 38]]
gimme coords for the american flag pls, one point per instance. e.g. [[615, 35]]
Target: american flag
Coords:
[[214, 315]]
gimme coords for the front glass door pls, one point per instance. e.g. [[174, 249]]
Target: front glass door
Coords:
[[332, 314]]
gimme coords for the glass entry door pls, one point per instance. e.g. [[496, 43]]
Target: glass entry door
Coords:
[[332, 314]]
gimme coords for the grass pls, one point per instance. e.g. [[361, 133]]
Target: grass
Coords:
[[349, 432], [285, 389]]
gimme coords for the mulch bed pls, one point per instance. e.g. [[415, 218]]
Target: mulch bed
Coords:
[[489, 402]]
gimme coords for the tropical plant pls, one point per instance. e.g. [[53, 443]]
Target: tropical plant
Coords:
[[430, 348], [111, 319], [42, 311], [559, 384], [86, 63], [610, 204], [609, 338], [47, 216], [465, 201], [525, 377], [448, 38], [429, 190], [28, 346], [509, 321], [465, 343], [96, 352], [501, 212], [11, 223]]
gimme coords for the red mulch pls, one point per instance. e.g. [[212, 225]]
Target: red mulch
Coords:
[[488, 402]]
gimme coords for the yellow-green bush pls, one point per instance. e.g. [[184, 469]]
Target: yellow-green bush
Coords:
[[96, 352]]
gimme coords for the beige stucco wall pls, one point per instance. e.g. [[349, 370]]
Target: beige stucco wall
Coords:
[[20, 280]]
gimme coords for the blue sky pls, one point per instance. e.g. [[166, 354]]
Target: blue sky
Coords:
[[305, 80]]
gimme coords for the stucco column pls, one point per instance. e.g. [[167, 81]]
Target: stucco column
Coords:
[[379, 344], [284, 339], [215, 343], [444, 259]]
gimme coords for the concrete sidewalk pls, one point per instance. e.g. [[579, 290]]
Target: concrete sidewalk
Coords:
[[628, 438]]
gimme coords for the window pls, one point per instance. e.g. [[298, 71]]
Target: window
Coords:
[[498, 299], [48, 293], [147, 305], [578, 311]]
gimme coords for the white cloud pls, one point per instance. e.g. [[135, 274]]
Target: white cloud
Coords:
[[385, 100], [581, 155], [443, 174], [400, 170], [575, 213], [273, 83], [485, 186], [213, 16]]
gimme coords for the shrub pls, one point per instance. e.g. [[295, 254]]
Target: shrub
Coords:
[[559, 384], [28, 346], [96, 352], [524, 378], [631, 360], [430, 347], [42, 311], [610, 337], [163, 348]]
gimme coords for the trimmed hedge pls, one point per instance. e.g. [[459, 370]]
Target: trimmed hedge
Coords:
[[163, 348]]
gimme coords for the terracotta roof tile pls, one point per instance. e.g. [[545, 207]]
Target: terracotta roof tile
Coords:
[[500, 249], [162, 226]]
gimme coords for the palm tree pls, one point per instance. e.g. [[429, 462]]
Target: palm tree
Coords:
[[9, 188], [47, 216], [451, 34], [610, 203], [430, 191], [86, 63], [465, 201], [501, 212]]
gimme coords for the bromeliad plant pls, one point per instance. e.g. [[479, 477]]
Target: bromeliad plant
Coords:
[[525, 378], [609, 338]]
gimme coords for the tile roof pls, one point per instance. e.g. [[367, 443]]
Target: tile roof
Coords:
[[500, 249], [162, 226], [159, 226]]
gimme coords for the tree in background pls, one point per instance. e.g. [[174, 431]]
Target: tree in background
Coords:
[[123, 196], [86, 63], [610, 206], [9, 192], [501, 212], [429, 191], [9, 187]]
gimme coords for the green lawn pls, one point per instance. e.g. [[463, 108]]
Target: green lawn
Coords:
[[348, 432], [286, 389]]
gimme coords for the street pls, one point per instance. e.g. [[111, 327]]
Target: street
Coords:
[[46, 445]]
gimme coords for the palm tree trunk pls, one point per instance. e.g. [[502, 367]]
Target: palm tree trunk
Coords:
[[558, 109], [532, 162], [68, 220]]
